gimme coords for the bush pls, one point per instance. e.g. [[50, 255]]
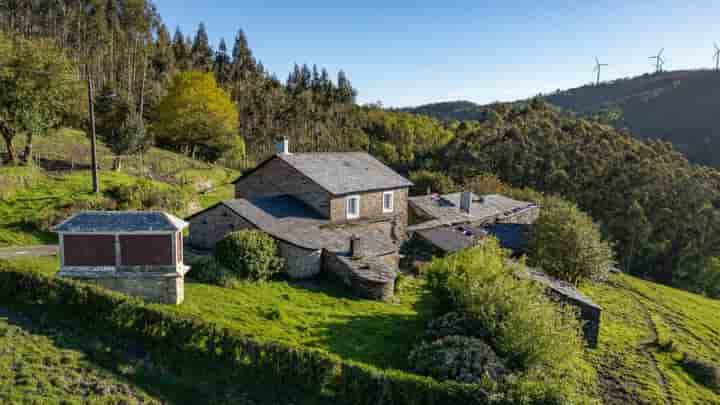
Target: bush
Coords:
[[460, 358], [249, 255], [436, 182], [147, 195], [455, 323], [566, 244], [207, 270], [539, 340]]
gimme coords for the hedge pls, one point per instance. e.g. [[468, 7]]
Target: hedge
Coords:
[[312, 370]]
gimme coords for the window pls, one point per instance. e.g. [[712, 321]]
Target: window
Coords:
[[388, 201], [352, 207]]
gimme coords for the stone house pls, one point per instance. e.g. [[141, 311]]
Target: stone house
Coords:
[[342, 213], [137, 253], [450, 222]]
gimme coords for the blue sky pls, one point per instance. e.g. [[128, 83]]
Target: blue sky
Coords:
[[406, 53]]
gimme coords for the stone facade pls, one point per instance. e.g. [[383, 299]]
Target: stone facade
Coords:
[[209, 227], [164, 288], [300, 263], [276, 177]]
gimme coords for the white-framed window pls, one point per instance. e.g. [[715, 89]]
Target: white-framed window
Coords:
[[352, 206], [388, 202]]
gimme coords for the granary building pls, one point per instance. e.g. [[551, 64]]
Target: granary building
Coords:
[[342, 213], [137, 253]]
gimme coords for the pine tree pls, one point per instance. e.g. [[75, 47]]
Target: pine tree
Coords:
[[202, 53], [223, 65], [181, 51], [346, 94]]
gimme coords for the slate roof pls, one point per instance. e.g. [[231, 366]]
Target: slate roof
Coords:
[[510, 236], [445, 209], [289, 219], [121, 221], [345, 172], [451, 238]]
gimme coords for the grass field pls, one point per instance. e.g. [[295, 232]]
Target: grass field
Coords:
[[32, 199], [645, 329], [320, 314], [47, 359]]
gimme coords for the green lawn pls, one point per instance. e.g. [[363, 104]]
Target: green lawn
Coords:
[[634, 361], [645, 329], [320, 314]]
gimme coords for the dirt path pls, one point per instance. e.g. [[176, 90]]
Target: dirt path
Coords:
[[645, 348], [28, 251]]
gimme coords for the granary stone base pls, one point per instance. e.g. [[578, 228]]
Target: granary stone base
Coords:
[[156, 286]]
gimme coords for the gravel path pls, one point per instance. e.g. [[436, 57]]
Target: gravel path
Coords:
[[31, 251]]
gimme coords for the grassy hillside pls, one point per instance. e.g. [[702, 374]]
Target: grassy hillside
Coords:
[[646, 329], [32, 199]]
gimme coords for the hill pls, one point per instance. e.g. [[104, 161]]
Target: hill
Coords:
[[33, 199], [677, 106]]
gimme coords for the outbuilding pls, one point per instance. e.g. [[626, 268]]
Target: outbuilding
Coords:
[[137, 253]]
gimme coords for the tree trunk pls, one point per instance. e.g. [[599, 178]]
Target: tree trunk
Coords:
[[117, 163], [8, 136], [29, 149]]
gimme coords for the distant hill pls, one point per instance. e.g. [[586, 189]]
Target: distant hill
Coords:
[[682, 107]]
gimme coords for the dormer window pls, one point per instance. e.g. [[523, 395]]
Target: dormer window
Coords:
[[352, 207], [388, 201]]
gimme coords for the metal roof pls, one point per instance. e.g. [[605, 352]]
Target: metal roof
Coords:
[[346, 172], [121, 221]]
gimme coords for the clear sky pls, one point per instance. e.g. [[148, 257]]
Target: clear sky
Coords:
[[405, 53]]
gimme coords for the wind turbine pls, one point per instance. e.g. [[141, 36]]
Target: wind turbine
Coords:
[[659, 61], [717, 57], [598, 67]]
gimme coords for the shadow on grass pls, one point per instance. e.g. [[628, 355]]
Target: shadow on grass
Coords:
[[383, 340], [187, 377]]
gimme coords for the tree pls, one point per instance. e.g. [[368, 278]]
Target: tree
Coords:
[[202, 53], [38, 88], [567, 244], [197, 117], [222, 64]]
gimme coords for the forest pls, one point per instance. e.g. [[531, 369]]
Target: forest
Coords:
[[658, 209]]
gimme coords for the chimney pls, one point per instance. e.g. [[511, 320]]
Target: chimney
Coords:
[[283, 146], [357, 248], [465, 201]]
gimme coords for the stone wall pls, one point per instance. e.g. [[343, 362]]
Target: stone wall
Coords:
[[300, 263], [370, 278], [371, 209], [209, 227], [164, 288], [277, 177]]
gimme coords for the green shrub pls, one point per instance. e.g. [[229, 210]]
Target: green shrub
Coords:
[[249, 255], [455, 323], [436, 182], [566, 243], [207, 270], [147, 195], [539, 340], [460, 358]]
